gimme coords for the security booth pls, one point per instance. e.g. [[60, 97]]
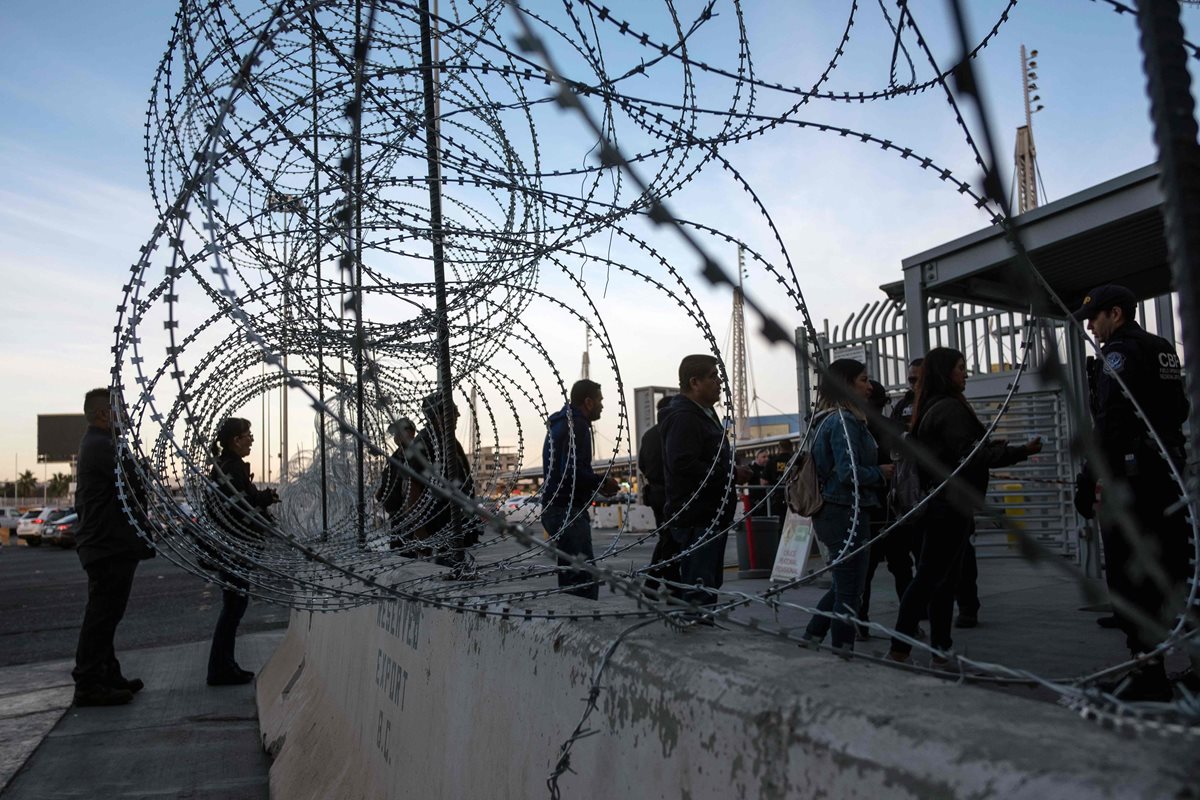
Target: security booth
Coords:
[[973, 294]]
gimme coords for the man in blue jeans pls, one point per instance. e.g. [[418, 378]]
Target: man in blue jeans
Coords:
[[570, 484], [700, 476]]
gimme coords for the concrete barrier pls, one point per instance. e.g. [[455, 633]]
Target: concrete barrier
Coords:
[[399, 700]]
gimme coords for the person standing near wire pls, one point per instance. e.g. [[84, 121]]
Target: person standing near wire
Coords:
[[109, 549], [1147, 566], [852, 480], [239, 508], [945, 424], [697, 470]]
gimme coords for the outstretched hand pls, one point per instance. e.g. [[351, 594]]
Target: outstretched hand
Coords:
[[1033, 446]]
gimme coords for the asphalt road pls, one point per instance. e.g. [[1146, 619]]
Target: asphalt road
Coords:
[[43, 591]]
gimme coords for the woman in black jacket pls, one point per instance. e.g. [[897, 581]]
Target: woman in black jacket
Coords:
[[240, 509], [944, 422]]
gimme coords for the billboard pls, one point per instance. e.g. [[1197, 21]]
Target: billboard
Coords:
[[58, 436]]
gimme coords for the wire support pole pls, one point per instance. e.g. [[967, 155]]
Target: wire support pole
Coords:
[[357, 290], [317, 233], [449, 455], [1173, 112]]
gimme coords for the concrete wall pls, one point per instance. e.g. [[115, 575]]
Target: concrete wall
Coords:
[[397, 700]]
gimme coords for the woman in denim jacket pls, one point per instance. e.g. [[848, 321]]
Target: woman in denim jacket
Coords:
[[849, 486]]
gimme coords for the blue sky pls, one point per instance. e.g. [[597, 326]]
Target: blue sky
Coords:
[[75, 205]]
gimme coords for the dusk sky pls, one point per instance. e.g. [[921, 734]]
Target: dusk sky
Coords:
[[75, 205]]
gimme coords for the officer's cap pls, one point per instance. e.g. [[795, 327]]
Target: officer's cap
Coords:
[[1102, 298]]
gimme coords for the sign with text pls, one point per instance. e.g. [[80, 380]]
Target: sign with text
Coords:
[[795, 545]]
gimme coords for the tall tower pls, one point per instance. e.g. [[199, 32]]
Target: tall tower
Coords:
[[586, 371], [1026, 152], [741, 400]]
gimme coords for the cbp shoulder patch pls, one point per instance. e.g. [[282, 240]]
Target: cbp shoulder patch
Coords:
[[1114, 362]]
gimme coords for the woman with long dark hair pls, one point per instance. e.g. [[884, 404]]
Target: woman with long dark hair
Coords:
[[944, 423], [239, 508], [846, 458]]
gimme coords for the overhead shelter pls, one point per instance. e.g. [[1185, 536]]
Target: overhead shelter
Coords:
[[1108, 233]]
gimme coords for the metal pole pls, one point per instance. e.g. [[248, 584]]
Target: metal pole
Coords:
[[441, 318], [317, 256], [357, 294], [1172, 110]]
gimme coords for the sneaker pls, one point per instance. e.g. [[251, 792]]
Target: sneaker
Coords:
[[102, 696], [1107, 622], [966, 621], [899, 657], [131, 685], [230, 678], [939, 662]]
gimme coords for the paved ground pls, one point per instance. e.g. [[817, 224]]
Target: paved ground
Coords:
[[43, 591], [178, 738], [181, 739]]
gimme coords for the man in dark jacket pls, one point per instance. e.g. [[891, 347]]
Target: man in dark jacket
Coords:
[[570, 484], [109, 548], [650, 464], [654, 494], [1157, 545], [700, 476], [393, 486], [902, 411], [431, 515]]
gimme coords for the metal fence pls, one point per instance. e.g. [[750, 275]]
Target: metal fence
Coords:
[[1036, 493]]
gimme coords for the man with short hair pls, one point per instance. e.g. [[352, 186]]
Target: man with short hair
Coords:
[[393, 485], [1157, 545], [570, 484], [432, 516], [109, 548], [700, 476], [902, 411]]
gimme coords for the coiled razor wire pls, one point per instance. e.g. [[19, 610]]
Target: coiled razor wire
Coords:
[[287, 153]]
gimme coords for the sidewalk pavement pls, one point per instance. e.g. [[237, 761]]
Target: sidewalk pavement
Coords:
[[179, 738]]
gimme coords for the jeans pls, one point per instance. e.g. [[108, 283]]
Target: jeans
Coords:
[[832, 526], [221, 662], [109, 583], [703, 569], [947, 533], [574, 538]]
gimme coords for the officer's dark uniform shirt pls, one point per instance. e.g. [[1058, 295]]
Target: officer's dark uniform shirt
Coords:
[[104, 528], [1150, 368]]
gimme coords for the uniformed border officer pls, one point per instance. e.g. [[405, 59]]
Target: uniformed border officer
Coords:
[[1149, 366]]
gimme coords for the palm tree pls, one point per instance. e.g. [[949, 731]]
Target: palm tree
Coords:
[[26, 484], [59, 485]]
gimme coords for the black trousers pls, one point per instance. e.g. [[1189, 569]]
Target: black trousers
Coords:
[[1159, 541], [221, 661], [109, 583], [946, 533], [664, 550], [703, 570], [968, 583], [897, 550]]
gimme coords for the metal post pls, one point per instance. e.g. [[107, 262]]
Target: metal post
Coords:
[[317, 257], [357, 294], [441, 317], [1172, 110]]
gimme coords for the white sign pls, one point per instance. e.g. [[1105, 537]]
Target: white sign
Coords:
[[795, 545]]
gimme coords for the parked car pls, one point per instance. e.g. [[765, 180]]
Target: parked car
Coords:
[[62, 531], [522, 508], [30, 530], [9, 517], [25, 522]]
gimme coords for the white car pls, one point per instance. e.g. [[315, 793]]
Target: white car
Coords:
[[522, 509], [30, 528], [9, 517]]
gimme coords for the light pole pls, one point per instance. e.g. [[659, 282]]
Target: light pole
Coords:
[[45, 483]]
